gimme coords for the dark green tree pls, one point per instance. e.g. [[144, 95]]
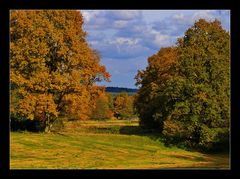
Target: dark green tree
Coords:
[[192, 106], [199, 92]]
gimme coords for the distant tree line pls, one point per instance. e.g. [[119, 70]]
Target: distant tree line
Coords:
[[185, 89], [119, 89], [118, 107]]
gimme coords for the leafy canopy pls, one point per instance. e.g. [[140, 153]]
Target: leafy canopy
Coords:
[[185, 90], [50, 61]]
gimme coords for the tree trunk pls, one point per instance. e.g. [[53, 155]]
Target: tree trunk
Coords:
[[47, 124], [47, 129]]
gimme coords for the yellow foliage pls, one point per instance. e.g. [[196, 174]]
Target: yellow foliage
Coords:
[[37, 106], [51, 64], [78, 105]]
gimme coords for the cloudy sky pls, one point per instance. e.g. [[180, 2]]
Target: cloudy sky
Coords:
[[126, 38]]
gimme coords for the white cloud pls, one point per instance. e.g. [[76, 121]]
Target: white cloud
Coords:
[[89, 15], [127, 41], [161, 40], [124, 14], [207, 14], [120, 47], [94, 42], [99, 19], [120, 24], [179, 17]]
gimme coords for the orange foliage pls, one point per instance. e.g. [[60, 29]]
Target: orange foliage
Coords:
[[123, 106], [101, 108], [51, 63], [37, 106]]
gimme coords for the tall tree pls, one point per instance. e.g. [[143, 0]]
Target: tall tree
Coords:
[[200, 89], [193, 105], [150, 102], [49, 59]]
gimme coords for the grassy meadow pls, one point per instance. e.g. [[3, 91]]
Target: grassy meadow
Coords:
[[114, 144]]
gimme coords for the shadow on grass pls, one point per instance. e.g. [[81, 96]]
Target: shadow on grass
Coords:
[[137, 130], [157, 136], [189, 157]]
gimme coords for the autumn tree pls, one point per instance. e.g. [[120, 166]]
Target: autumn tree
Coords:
[[194, 101], [77, 106], [49, 60], [150, 102], [102, 108], [123, 106]]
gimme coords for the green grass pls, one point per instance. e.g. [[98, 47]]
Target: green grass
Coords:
[[116, 144]]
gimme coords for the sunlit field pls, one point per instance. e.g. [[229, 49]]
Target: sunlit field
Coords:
[[115, 144]]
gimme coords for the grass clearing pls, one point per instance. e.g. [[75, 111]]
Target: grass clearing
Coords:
[[103, 145]]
